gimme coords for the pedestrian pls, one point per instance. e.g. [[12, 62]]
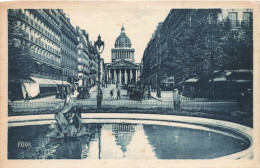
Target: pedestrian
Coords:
[[176, 99], [88, 95], [111, 94], [101, 94], [26, 97], [149, 94], [118, 94], [139, 95], [143, 94]]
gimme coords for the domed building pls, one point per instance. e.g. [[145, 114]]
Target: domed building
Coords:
[[123, 69]]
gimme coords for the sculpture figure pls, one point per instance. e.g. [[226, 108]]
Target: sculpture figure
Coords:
[[69, 121]]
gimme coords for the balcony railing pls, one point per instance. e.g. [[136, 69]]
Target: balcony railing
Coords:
[[44, 58], [47, 19], [44, 31]]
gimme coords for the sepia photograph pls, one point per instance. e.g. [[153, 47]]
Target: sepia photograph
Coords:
[[131, 82]]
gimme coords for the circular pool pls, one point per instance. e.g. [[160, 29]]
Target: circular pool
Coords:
[[131, 136]]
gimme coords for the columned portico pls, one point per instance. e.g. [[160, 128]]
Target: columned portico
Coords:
[[136, 75], [114, 75], [131, 75], [108, 75], [120, 77], [125, 77]]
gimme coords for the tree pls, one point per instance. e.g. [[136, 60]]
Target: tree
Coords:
[[196, 50], [207, 45], [20, 63], [239, 49]]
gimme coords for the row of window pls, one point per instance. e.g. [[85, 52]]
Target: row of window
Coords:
[[68, 63], [37, 37], [122, 54], [45, 53], [69, 72], [39, 22], [42, 68], [122, 45], [247, 19], [68, 53], [43, 30], [68, 43]]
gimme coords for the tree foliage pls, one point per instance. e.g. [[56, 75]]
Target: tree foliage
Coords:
[[207, 45]]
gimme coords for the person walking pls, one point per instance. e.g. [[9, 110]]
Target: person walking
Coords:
[[142, 92], [149, 94], [176, 99], [111, 94], [118, 94], [26, 97], [101, 94]]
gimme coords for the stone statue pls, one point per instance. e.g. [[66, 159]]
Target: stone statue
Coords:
[[69, 121]]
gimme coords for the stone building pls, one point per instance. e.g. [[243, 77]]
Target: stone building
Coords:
[[122, 69], [239, 18], [68, 45], [87, 59], [47, 42]]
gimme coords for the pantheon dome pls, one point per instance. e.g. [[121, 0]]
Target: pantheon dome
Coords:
[[123, 48], [122, 40], [122, 69]]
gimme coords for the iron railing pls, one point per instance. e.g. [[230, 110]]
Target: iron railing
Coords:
[[53, 104]]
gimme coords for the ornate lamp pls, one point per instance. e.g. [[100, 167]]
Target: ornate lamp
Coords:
[[99, 46]]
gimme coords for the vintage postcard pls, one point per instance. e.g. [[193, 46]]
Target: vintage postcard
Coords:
[[129, 84]]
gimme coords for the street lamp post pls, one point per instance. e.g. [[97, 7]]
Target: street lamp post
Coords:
[[99, 45]]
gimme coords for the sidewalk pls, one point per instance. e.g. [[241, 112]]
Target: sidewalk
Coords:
[[106, 93], [164, 95]]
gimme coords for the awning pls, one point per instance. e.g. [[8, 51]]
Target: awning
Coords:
[[219, 79], [168, 80], [243, 81], [192, 80], [43, 82]]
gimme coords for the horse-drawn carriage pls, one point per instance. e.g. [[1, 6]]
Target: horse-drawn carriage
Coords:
[[135, 93], [83, 92]]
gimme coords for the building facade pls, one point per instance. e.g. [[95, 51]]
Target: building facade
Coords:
[[87, 59], [239, 18], [45, 43], [69, 44], [157, 52], [122, 69], [151, 61]]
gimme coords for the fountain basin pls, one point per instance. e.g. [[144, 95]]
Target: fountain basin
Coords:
[[134, 136]]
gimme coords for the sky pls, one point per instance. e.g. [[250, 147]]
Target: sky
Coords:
[[139, 26]]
